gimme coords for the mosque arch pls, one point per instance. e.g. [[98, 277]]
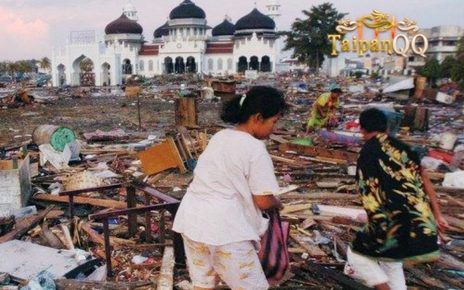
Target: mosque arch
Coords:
[[168, 65], [126, 67], [150, 65], [61, 75], [266, 64], [254, 63], [230, 63], [179, 65], [210, 64], [191, 65], [242, 64], [141, 65], [105, 74], [220, 64], [83, 72]]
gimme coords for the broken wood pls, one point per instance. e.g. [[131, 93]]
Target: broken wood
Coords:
[[313, 251], [166, 276], [107, 203], [186, 112], [69, 284], [50, 238], [25, 224], [329, 274], [341, 157], [161, 157]]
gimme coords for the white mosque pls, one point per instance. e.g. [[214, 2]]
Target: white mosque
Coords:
[[185, 43]]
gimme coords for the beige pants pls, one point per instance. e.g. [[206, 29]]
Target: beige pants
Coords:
[[371, 271], [237, 264]]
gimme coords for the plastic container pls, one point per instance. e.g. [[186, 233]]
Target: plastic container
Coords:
[[447, 140]]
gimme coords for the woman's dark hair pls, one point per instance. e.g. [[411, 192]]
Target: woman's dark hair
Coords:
[[373, 120], [260, 99], [337, 90]]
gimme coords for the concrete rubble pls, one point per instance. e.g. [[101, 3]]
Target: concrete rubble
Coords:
[[105, 205]]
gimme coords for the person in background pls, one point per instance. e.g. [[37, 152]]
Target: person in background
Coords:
[[220, 216], [403, 214], [324, 109]]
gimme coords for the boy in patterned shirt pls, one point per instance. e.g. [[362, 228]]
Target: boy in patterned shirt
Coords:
[[403, 213]]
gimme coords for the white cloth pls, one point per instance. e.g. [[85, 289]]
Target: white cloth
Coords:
[[218, 207], [237, 264], [372, 272]]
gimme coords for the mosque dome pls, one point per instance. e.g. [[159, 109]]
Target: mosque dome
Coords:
[[187, 9], [123, 25], [255, 20], [225, 28], [161, 31]]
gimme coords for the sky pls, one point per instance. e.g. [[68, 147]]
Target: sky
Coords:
[[32, 28]]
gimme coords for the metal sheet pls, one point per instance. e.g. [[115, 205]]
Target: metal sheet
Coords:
[[25, 260]]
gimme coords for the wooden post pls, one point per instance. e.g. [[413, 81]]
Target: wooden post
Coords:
[[186, 112], [147, 220], [132, 218], [166, 276]]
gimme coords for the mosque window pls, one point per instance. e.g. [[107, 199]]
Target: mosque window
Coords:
[[150, 65], [229, 64], [219, 64], [210, 64], [141, 65]]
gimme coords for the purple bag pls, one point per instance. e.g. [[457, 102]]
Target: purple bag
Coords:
[[274, 248]]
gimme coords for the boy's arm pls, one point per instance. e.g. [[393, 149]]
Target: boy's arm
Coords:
[[430, 190]]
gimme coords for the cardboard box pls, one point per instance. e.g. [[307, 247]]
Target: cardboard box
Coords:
[[15, 187]]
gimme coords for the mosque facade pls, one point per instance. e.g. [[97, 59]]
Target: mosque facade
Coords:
[[184, 44]]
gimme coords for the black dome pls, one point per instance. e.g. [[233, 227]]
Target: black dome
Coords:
[[123, 25], [255, 20], [187, 9], [225, 28], [161, 31]]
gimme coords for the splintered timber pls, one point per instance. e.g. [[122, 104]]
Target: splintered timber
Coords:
[[401, 45]]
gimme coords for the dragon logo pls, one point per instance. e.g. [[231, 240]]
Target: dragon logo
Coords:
[[379, 22]]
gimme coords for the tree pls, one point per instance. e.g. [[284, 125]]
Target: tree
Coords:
[[309, 37], [457, 72], [447, 66], [45, 63], [431, 70]]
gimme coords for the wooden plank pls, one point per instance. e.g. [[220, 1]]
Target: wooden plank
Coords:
[[327, 210], [294, 208], [107, 203], [314, 151], [327, 274], [166, 276], [24, 225], [319, 195], [69, 284], [313, 251], [186, 112], [6, 164], [283, 159], [133, 91], [161, 157]]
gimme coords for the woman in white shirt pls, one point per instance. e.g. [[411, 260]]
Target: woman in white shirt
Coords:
[[220, 216]]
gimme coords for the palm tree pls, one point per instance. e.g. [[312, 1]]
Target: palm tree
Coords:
[[45, 63]]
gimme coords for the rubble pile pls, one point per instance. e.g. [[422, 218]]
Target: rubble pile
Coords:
[[101, 206]]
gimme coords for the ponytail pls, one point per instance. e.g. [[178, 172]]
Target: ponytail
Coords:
[[266, 101]]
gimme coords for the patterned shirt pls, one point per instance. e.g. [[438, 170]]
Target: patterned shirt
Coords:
[[401, 225]]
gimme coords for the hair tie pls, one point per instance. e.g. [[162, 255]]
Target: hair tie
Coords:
[[242, 100]]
